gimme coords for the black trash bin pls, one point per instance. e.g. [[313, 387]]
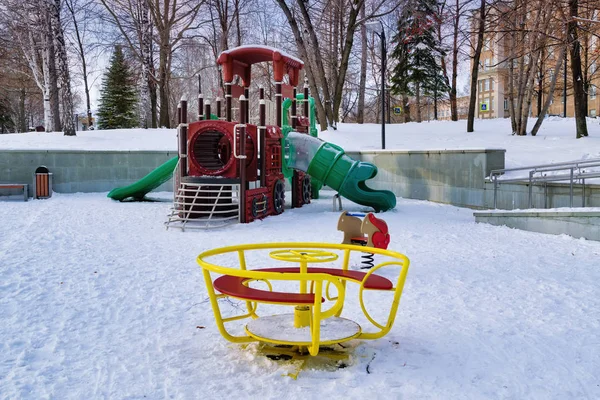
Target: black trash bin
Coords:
[[42, 183]]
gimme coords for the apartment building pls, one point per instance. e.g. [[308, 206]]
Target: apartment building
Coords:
[[492, 82], [462, 108], [492, 85]]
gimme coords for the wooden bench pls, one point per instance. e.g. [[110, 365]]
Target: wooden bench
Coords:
[[235, 286], [22, 186]]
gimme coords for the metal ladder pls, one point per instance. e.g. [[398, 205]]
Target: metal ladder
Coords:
[[204, 206]]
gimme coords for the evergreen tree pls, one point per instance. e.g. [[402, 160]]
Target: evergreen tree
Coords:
[[6, 123], [417, 51], [118, 95]]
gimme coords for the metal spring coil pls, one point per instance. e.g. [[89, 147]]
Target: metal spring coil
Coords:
[[368, 261]]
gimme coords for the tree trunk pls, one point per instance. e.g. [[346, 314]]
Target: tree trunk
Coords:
[[406, 108], [442, 63], [360, 115], [334, 49], [453, 104], [585, 66], [475, 69], [577, 76], [238, 28], [48, 109], [21, 124], [529, 94], [148, 114], [540, 85], [418, 101], [82, 58], [164, 120], [314, 57], [51, 95], [346, 51], [64, 79], [435, 101], [302, 48], [540, 119], [511, 83]]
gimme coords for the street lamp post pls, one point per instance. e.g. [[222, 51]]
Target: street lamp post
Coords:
[[381, 36]]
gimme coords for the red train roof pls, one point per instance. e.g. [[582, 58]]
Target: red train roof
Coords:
[[238, 61]]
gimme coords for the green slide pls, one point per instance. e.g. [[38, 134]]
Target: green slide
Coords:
[[148, 183], [329, 164]]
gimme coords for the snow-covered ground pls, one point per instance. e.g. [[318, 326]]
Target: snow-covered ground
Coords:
[[99, 301]]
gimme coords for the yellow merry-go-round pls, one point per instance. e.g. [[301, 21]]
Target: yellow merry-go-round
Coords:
[[311, 286]]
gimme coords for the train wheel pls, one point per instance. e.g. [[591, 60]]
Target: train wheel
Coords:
[[306, 190], [254, 207], [266, 205], [279, 196]]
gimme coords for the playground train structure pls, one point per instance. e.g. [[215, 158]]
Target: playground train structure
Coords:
[[234, 171]]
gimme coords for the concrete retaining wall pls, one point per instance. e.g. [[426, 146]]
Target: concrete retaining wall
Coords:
[[458, 177], [576, 223], [83, 171], [449, 176], [446, 176]]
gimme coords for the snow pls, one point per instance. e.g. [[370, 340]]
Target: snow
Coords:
[[97, 140], [98, 300], [283, 53], [555, 141]]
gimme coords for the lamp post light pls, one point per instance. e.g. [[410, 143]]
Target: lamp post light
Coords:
[[377, 28]]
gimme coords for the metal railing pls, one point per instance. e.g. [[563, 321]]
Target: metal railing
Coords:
[[573, 171]]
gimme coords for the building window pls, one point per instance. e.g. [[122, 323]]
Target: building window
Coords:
[[487, 44], [486, 66], [593, 68], [491, 84], [551, 73], [505, 104], [487, 84], [481, 86], [592, 92], [593, 113]]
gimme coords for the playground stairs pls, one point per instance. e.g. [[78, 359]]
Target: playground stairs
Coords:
[[204, 203]]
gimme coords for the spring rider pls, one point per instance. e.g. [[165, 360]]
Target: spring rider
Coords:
[[369, 232]]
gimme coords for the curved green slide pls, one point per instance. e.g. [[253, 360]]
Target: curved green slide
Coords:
[[148, 183], [328, 163]]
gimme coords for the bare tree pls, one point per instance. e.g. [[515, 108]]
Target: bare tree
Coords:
[[549, 98], [37, 30], [475, 68], [80, 14], [62, 66], [330, 88], [360, 116], [172, 20], [455, 18], [169, 20], [579, 94]]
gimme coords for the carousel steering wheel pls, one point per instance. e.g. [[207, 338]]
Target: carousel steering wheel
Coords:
[[304, 255]]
